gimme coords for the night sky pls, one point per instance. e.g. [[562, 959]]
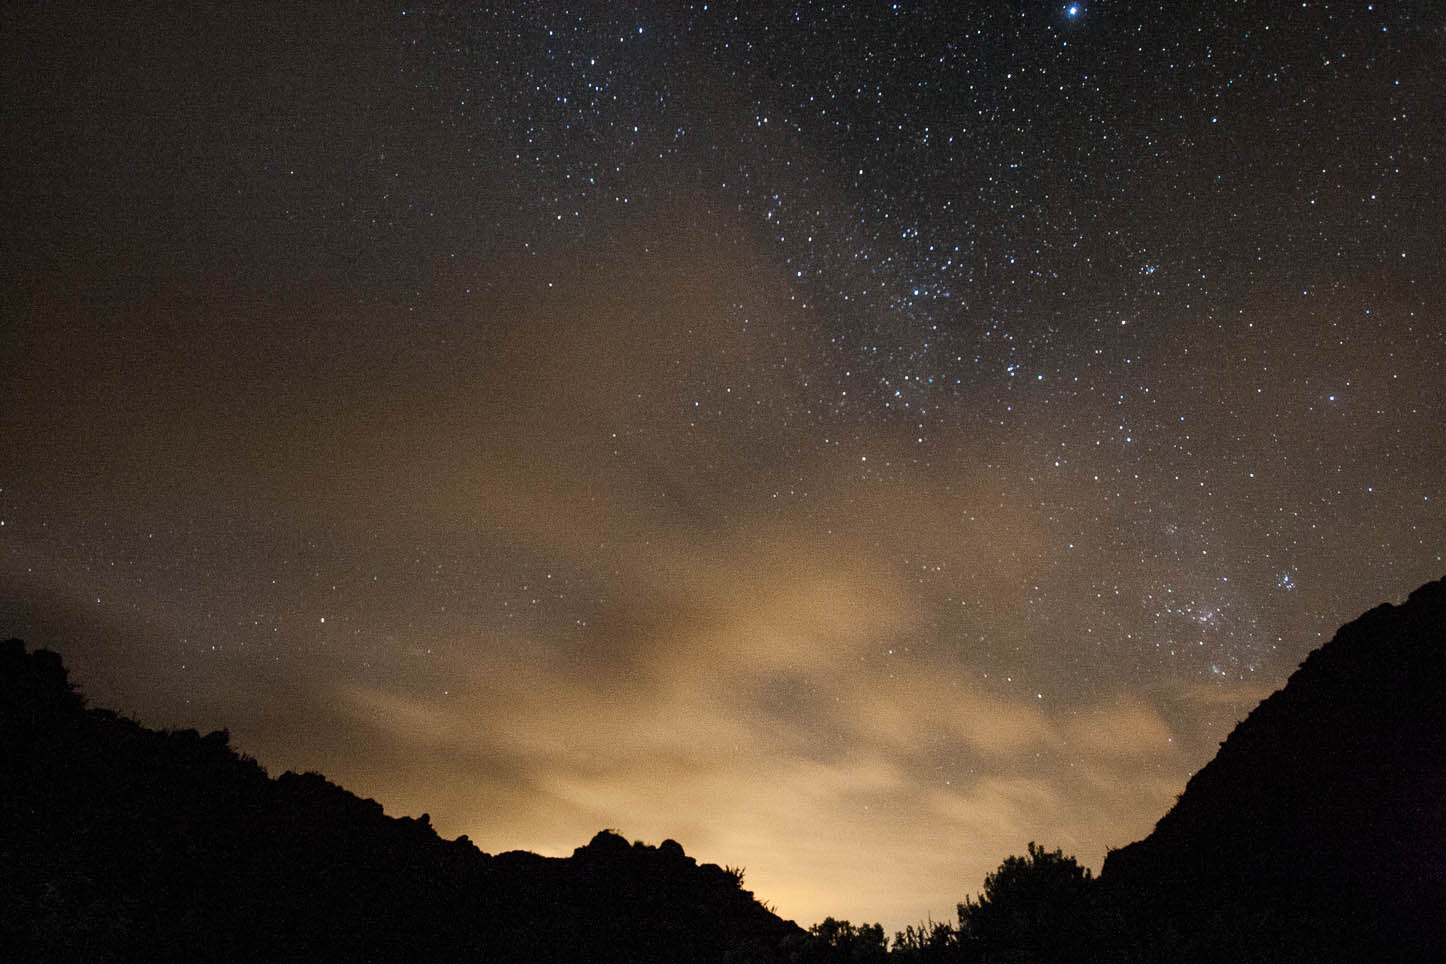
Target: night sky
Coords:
[[854, 440]]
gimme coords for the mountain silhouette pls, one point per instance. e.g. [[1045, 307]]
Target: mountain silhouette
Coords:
[[120, 843], [1319, 829], [1317, 834]]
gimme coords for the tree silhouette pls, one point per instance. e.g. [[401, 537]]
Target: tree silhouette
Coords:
[[1034, 908]]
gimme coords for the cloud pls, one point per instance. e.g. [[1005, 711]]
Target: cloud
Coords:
[[614, 594], [1124, 729], [786, 753], [998, 808]]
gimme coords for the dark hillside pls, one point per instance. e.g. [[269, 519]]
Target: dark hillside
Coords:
[[1321, 823], [119, 843]]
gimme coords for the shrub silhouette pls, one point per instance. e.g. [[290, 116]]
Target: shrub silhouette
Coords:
[[934, 942], [839, 942]]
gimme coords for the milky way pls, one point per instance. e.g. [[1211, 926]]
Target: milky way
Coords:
[[852, 439]]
